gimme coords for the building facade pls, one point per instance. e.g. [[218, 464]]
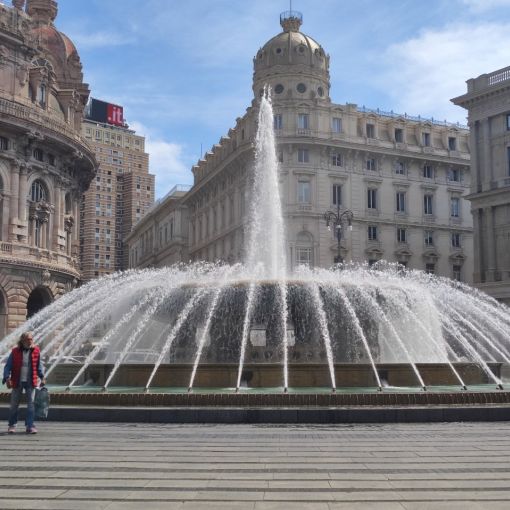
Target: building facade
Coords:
[[45, 165], [488, 103], [403, 178], [121, 194], [160, 238]]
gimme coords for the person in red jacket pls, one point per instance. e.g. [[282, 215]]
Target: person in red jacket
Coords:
[[21, 371]]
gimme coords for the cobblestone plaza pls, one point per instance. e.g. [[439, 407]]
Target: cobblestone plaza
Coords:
[[111, 466]]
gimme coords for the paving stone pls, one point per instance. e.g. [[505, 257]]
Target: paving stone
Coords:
[[462, 466]]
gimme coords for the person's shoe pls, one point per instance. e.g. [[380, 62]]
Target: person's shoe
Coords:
[[32, 430], [11, 430]]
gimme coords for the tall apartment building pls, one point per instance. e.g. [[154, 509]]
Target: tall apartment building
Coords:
[[488, 102], [122, 192]]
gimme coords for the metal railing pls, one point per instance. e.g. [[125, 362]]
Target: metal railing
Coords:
[[414, 118], [291, 15]]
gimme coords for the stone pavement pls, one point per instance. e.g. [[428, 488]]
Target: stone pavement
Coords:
[[453, 466]]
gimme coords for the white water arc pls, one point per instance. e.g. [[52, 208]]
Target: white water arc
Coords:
[[266, 234], [204, 313]]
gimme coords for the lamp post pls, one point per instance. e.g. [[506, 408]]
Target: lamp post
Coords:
[[337, 219]]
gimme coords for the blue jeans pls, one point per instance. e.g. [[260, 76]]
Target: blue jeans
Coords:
[[15, 400]]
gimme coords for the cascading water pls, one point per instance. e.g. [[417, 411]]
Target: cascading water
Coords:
[[259, 324]]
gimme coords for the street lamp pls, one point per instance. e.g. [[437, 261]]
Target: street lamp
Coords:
[[338, 219]]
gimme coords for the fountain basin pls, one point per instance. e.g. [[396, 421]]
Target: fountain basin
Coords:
[[222, 377]]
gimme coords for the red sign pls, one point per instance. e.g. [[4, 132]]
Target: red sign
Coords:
[[115, 115]]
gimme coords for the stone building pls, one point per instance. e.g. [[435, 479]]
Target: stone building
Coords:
[[160, 238], [120, 195], [45, 165], [404, 178], [488, 103]]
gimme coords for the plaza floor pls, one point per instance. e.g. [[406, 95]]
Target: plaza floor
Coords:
[[255, 467]]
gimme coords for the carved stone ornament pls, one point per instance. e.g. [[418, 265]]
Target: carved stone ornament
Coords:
[[22, 74], [68, 223], [46, 278], [18, 4]]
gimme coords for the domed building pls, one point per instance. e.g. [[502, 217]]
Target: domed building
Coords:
[[45, 165], [399, 180]]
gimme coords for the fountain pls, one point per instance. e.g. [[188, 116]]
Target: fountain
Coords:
[[258, 326]]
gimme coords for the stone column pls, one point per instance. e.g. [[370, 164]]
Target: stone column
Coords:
[[491, 244], [76, 215], [478, 260], [13, 203], [487, 170], [22, 199]]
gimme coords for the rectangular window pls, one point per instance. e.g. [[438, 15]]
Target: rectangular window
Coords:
[[508, 122], [372, 198], [454, 174], [401, 202], [278, 121], [401, 235], [304, 256], [303, 156], [456, 240], [428, 172], [4, 143], [372, 233], [304, 192], [399, 135], [425, 138], [337, 194], [303, 121], [455, 207], [427, 204], [452, 143], [429, 238], [430, 268], [456, 273], [336, 159], [371, 164], [400, 168], [370, 131], [336, 125]]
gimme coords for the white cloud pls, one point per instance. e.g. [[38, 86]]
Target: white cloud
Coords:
[[485, 5], [92, 40], [166, 160], [422, 74]]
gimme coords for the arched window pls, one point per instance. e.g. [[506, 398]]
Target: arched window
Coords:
[[38, 154], [41, 95], [38, 192]]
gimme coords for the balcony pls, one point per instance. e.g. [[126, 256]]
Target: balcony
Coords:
[[34, 115], [24, 254]]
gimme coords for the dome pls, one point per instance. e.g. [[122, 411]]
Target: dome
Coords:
[[57, 47], [292, 55], [70, 47]]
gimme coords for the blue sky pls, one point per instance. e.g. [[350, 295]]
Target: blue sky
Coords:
[[183, 70]]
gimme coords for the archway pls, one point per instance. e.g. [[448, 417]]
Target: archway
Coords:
[[38, 299]]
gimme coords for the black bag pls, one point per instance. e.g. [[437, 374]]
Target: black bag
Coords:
[[41, 402]]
